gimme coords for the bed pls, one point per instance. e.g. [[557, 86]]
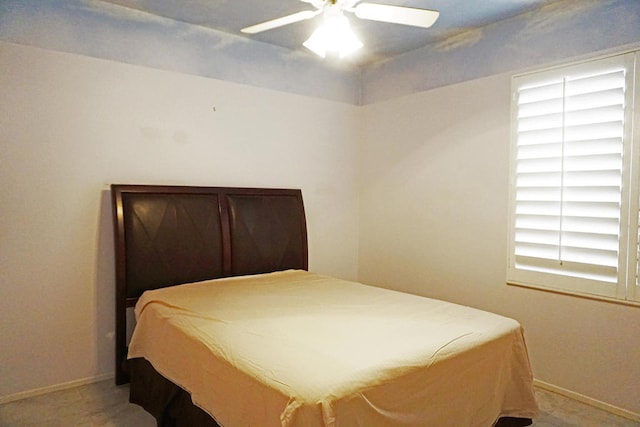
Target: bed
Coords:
[[233, 330]]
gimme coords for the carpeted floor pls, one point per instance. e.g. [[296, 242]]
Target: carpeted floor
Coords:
[[104, 404]]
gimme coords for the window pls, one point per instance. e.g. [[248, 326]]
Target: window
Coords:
[[574, 179]]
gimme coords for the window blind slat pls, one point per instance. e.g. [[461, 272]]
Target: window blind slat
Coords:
[[597, 82], [538, 222], [586, 240], [542, 92], [594, 146], [593, 100], [568, 268]]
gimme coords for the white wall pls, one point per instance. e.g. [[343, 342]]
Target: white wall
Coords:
[[71, 125], [433, 221]]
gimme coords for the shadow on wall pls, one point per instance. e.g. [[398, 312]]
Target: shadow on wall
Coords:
[[105, 288]]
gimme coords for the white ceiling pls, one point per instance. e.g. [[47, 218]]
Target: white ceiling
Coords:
[[382, 40]]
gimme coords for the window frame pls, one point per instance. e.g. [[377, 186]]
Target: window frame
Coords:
[[627, 287]]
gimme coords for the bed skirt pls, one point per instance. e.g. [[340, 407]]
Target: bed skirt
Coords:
[[172, 406], [169, 404]]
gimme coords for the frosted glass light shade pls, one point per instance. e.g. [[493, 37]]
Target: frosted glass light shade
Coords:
[[334, 35]]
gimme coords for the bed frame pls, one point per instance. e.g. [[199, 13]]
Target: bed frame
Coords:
[[168, 235]]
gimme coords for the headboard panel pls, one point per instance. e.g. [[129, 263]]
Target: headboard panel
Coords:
[[168, 235], [265, 233], [171, 240]]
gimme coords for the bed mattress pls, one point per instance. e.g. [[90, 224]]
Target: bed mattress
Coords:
[[295, 348]]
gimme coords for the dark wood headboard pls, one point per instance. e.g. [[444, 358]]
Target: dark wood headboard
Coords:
[[169, 235]]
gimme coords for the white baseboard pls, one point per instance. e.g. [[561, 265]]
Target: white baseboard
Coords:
[[587, 400], [57, 387]]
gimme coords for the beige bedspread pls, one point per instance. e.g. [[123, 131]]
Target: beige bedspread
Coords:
[[298, 349]]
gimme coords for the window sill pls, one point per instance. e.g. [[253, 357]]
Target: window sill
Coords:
[[630, 303]]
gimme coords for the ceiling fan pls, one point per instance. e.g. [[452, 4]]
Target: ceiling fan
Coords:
[[335, 34]]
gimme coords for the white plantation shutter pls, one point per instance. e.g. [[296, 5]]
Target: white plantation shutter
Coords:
[[568, 209]]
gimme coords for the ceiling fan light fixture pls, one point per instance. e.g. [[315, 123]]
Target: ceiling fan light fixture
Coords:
[[334, 35]]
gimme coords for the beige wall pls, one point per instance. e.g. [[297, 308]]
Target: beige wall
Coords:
[[71, 125], [434, 177]]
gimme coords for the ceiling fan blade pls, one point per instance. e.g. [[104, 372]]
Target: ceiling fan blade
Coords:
[[318, 4], [280, 22], [397, 14]]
